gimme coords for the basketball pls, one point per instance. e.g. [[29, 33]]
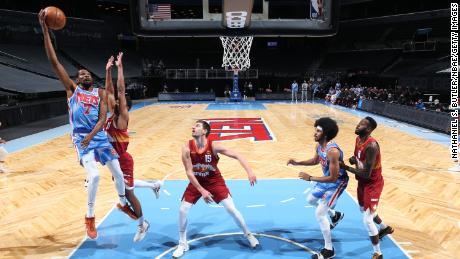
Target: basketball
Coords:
[[55, 18]]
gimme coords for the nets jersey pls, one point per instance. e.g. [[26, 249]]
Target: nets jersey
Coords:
[[322, 154], [360, 154], [83, 117], [117, 137], [84, 109], [205, 163]]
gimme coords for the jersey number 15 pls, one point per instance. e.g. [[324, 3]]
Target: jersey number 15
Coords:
[[207, 158]]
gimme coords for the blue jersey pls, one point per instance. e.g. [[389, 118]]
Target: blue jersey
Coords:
[[322, 154], [83, 117], [84, 109]]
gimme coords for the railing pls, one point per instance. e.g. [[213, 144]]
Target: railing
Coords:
[[209, 74], [429, 119]]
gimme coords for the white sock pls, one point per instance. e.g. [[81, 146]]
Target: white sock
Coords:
[[377, 248], [114, 167], [141, 220], [236, 215], [145, 184], [331, 213], [92, 176], [320, 213], [382, 225], [183, 211]]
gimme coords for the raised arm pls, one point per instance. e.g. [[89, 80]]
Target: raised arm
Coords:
[[60, 71], [220, 149], [110, 99], [123, 117], [371, 155], [101, 120], [312, 161], [187, 161]]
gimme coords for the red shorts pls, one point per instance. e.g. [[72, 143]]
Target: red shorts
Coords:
[[369, 194], [127, 167], [218, 190]]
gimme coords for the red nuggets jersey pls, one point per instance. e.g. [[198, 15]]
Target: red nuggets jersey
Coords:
[[369, 190], [360, 155], [120, 141], [206, 172], [118, 138], [204, 163]]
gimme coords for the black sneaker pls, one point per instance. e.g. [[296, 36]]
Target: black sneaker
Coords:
[[336, 219], [324, 254], [377, 256], [385, 231]]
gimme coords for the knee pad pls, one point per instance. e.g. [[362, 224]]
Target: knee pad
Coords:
[[321, 210], [89, 163], [185, 207], [312, 200], [368, 220]]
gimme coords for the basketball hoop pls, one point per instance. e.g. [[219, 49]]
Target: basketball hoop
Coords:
[[236, 58], [236, 53]]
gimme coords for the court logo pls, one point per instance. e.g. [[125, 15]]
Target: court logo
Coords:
[[239, 128]]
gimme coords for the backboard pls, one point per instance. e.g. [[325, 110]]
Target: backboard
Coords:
[[210, 18]]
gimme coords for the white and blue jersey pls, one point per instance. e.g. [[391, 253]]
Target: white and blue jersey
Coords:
[[83, 117], [330, 192]]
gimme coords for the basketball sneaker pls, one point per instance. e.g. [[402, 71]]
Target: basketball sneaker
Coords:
[[91, 231], [141, 231], [181, 249], [127, 210], [336, 219], [324, 254], [253, 242], [386, 231], [377, 256], [156, 189]]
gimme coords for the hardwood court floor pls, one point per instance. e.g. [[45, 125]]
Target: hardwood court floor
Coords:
[[44, 201]]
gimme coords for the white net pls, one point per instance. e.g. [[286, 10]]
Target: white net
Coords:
[[236, 52]]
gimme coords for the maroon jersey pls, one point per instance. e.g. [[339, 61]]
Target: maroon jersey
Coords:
[[118, 138], [360, 154], [204, 163]]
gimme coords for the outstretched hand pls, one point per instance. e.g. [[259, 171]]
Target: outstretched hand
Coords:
[[119, 57], [109, 63], [41, 20], [291, 162], [252, 179]]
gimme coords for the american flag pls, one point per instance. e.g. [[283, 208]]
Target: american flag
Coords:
[[160, 11]]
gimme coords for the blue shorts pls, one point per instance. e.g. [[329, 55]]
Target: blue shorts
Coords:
[[329, 193], [100, 145]]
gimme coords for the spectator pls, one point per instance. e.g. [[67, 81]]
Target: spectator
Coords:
[[294, 90], [304, 91], [420, 105]]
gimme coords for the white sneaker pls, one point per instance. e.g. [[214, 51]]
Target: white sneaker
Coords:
[[156, 189], [141, 231], [253, 242], [181, 249]]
